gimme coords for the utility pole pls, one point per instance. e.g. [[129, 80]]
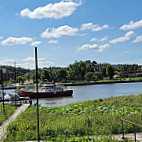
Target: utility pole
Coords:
[[15, 81], [2, 90], [36, 66]]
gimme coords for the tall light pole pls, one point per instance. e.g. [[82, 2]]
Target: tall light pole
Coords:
[[36, 66]]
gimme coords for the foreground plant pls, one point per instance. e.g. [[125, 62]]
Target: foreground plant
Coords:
[[98, 117], [9, 110]]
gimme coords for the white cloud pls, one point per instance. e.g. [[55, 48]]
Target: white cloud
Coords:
[[53, 41], [87, 46], [7, 62], [92, 27], [94, 39], [102, 39], [46, 63], [30, 65], [99, 28], [28, 59], [127, 36], [138, 39], [35, 43], [132, 25], [56, 10], [120, 39], [26, 65], [15, 41], [32, 59], [59, 32], [87, 26], [102, 47], [1, 37]]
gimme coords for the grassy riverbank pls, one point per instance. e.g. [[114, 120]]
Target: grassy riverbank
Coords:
[[136, 79], [104, 81], [98, 117], [9, 110]]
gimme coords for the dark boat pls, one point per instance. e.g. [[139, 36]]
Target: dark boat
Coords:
[[47, 91]]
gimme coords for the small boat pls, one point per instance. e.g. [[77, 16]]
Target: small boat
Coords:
[[47, 91]]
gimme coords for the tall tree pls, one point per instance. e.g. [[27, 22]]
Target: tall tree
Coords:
[[28, 76], [71, 74], [109, 71], [46, 75], [103, 70], [89, 76], [89, 68], [61, 74], [79, 70], [98, 75]]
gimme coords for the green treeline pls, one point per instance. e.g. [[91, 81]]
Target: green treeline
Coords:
[[80, 71], [77, 72]]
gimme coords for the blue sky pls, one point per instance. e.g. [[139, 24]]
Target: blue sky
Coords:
[[68, 30]]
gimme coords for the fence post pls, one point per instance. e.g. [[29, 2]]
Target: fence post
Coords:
[[123, 125], [134, 133], [122, 130]]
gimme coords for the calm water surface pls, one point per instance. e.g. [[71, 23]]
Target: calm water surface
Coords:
[[91, 92]]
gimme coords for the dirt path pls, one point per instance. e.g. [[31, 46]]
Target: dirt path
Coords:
[[12, 118]]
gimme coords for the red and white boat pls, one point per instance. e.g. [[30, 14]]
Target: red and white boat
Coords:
[[47, 91]]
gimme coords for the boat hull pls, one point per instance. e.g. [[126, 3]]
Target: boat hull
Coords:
[[46, 94]]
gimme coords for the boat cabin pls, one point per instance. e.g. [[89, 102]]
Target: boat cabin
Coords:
[[51, 88]]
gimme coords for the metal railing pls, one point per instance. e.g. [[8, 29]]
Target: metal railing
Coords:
[[134, 125]]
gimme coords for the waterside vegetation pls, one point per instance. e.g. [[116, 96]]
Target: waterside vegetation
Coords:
[[78, 72], [76, 121], [9, 110]]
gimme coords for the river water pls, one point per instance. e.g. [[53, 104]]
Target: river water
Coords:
[[91, 92]]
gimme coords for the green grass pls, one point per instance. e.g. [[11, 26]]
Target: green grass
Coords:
[[8, 111], [110, 80], [133, 78], [98, 117], [86, 139], [121, 79]]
